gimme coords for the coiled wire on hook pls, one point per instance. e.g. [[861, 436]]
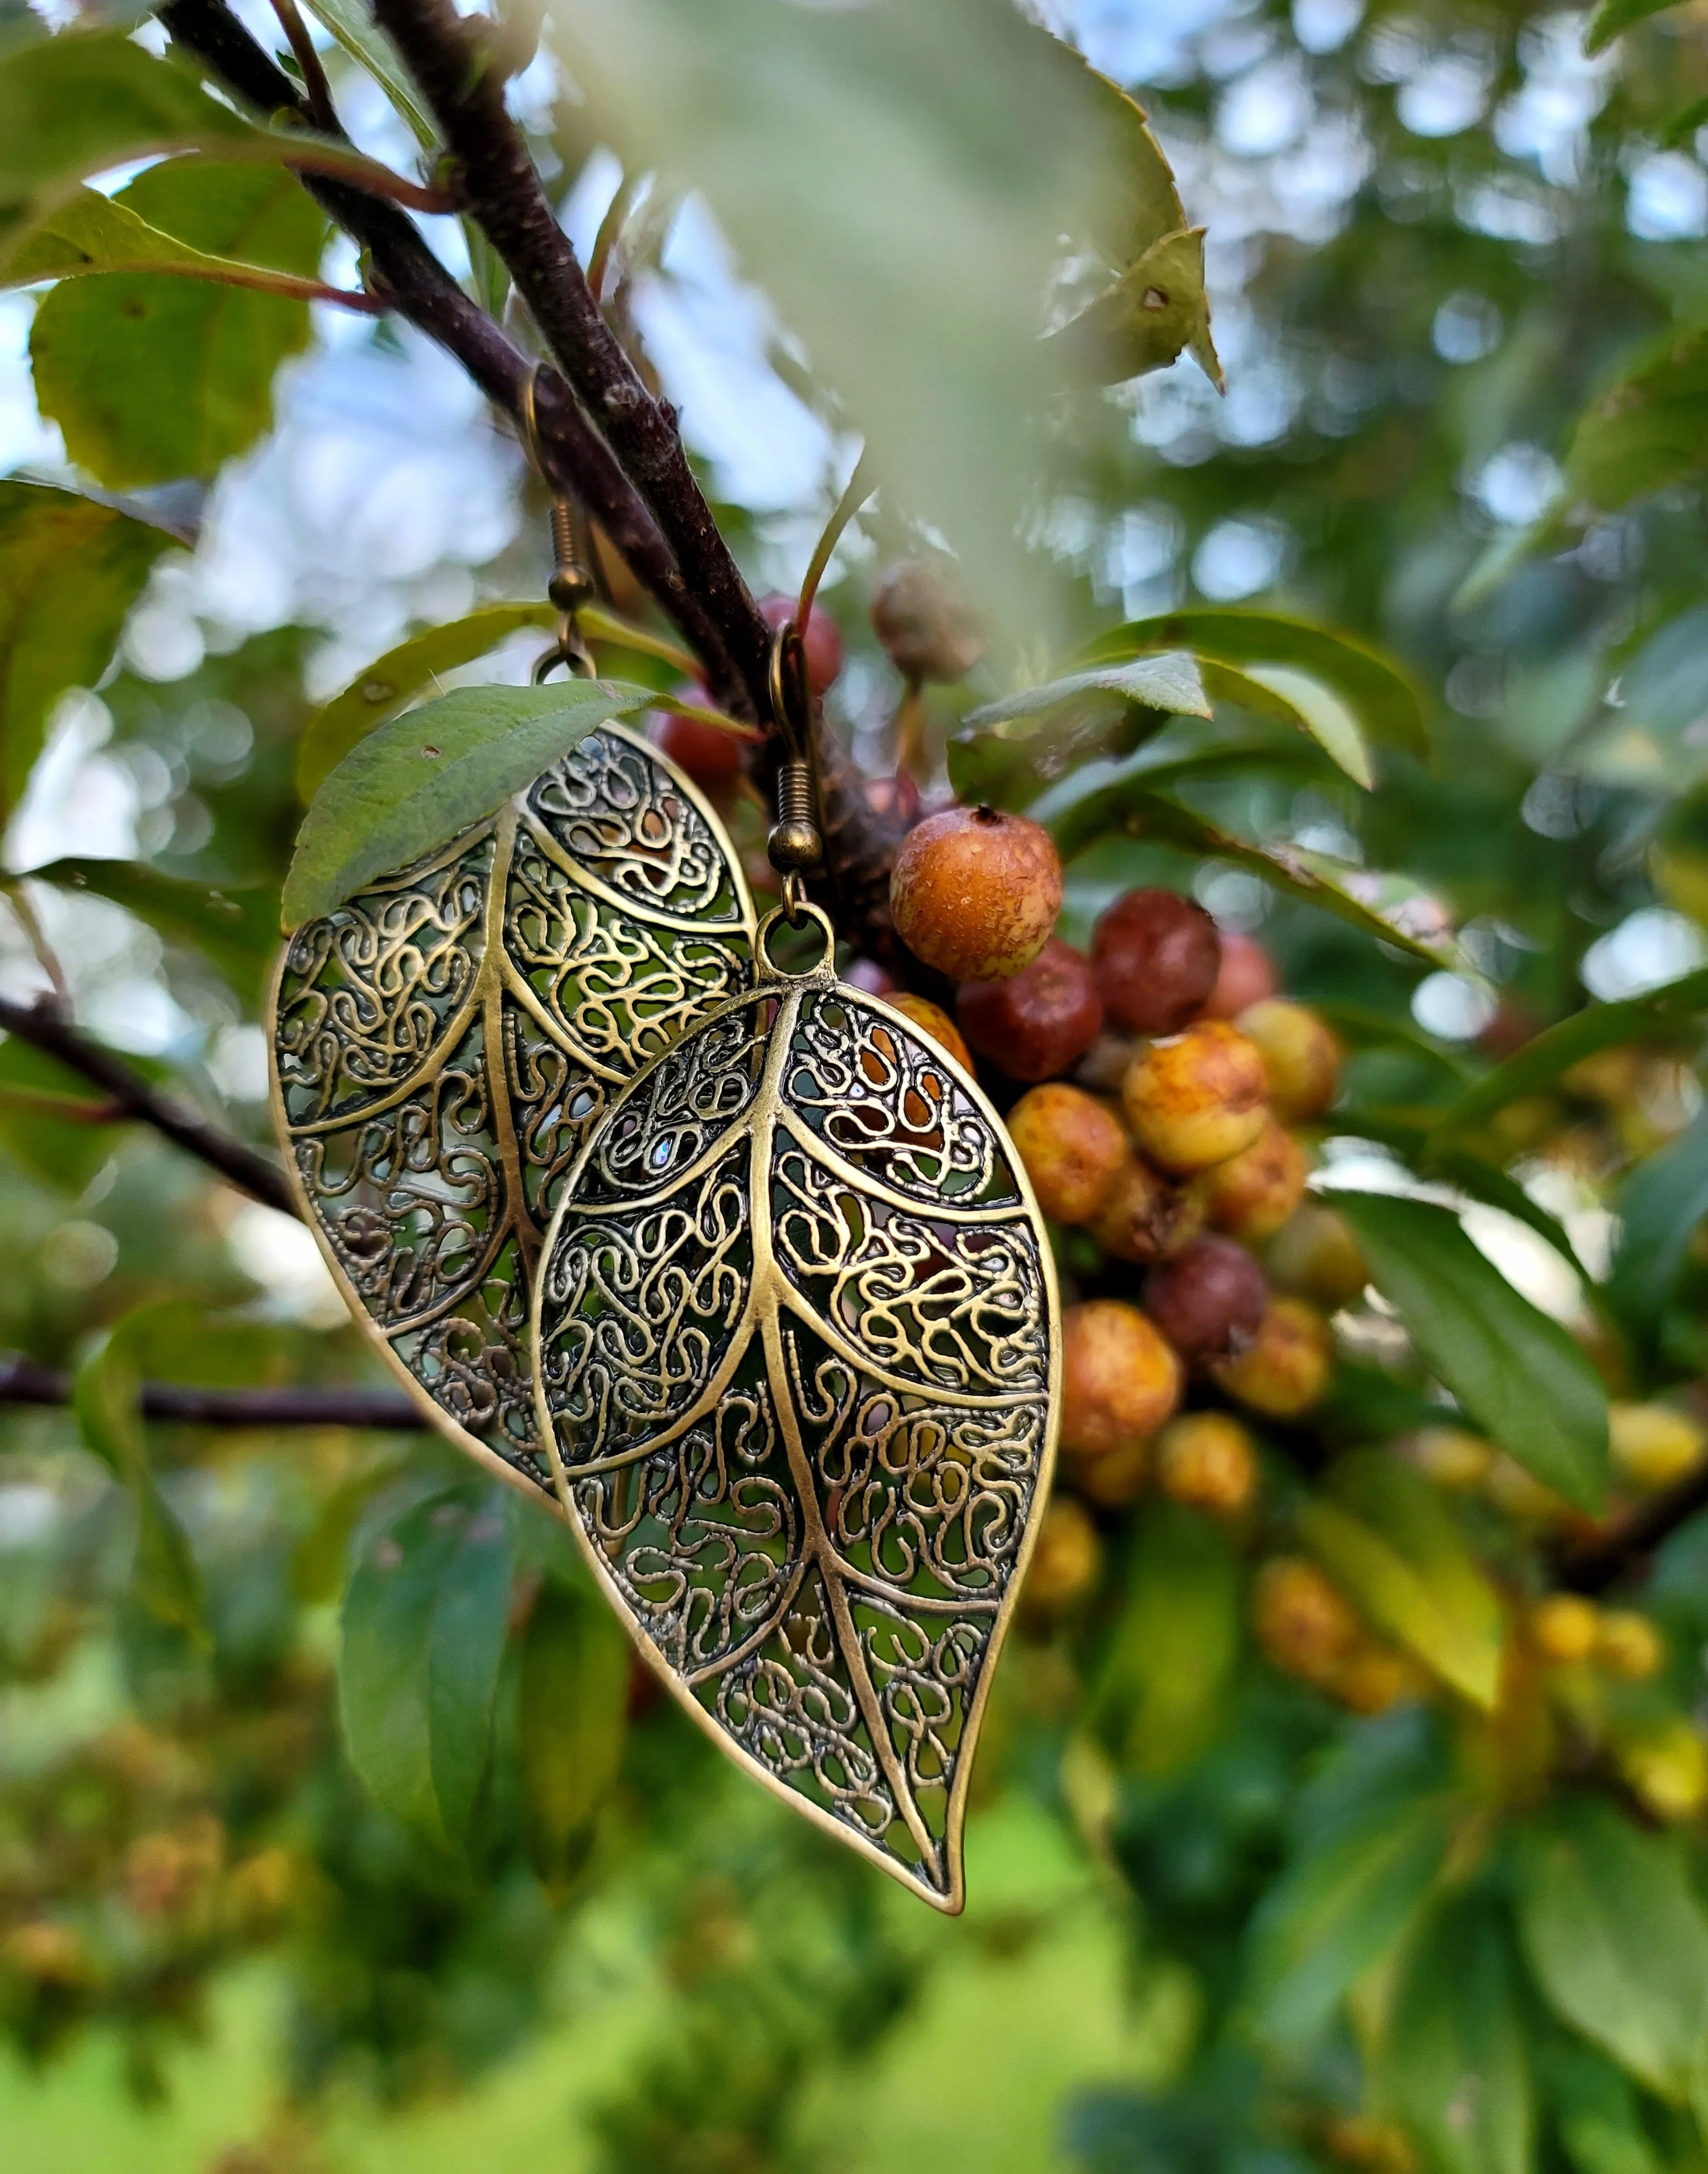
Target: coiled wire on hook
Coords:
[[571, 583]]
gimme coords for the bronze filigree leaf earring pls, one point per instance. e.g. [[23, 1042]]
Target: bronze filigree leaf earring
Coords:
[[797, 1355], [443, 1044]]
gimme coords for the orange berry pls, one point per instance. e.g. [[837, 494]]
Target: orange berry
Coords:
[[1143, 1218], [1374, 1677], [1066, 1558], [1116, 1481], [975, 893], [1303, 1622], [933, 1019], [1196, 1098], [1285, 1368], [1073, 1146], [1252, 1193], [1119, 1380], [1208, 1461], [1301, 1057]]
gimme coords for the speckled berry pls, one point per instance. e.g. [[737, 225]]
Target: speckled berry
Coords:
[[1208, 1461], [1283, 1371], [975, 893], [1156, 956], [1194, 1099], [1251, 1194], [1120, 1381], [1302, 1622], [1144, 1217], [1036, 1024], [1066, 1558], [933, 1021], [1209, 1300], [1071, 1145]]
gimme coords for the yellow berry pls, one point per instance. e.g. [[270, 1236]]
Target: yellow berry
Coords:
[[1065, 1561], [1511, 1489], [1450, 1456], [1565, 1628], [1314, 1255], [1667, 1769], [1073, 1147], [1283, 1371], [1196, 1098], [1116, 1481], [1143, 1217], [1120, 1381], [1252, 1193], [1301, 1057], [1628, 1644], [1375, 1678], [1302, 1622], [1208, 1461], [1653, 1445]]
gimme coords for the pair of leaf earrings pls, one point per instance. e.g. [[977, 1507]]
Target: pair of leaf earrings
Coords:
[[727, 1264]]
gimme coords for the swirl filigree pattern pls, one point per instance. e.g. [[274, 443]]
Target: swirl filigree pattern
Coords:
[[443, 1044], [796, 1351]]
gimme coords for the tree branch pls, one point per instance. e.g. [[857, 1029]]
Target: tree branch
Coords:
[[1603, 1561], [23, 1381], [404, 273], [46, 1028]]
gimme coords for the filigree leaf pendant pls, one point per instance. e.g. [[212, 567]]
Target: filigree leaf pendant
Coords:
[[797, 1355], [444, 1043]]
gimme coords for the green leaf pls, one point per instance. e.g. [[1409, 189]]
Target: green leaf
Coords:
[[1156, 311], [1596, 2114], [1613, 16], [370, 47], [1138, 203], [418, 780], [1160, 1692], [572, 1716], [1412, 1133], [1517, 1374], [1168, 682], [1297, 697], [424, 1628], [235, 927], [63, 1151], [1384, 1533], [1646, 431], [107, 1396], [319, 1561], [388, 685], [153, 378], [1338, 1911], [1616, 1939], [1657, 1016], [1360, 1026], [1660, 1205], [1385, 700], [70, 569], [91, 233], [1137, 808], [1454, 2064]]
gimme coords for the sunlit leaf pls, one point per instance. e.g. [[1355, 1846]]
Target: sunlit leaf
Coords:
[[237, 929], [1385, 1535], [1155, 312], [151, 377], [70, 569], [423, 1626], [1169, 682], [1613, 16], [1646, 431], [1523, 1379], [1379, 693]]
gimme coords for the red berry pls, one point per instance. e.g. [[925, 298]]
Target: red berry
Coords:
[[1208, 1301], [1156, 956], [819, 639], [1247, 975], [711, 758], [1038, 1023], [897, 796]]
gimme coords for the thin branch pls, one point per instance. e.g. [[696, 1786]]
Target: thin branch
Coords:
[[402, 270], [315, 88], [23, 910], [1601, 1562], [293, 288], [23, 1381], [46, 1028]]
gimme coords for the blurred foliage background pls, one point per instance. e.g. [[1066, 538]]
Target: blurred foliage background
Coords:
[[1234, 1903]]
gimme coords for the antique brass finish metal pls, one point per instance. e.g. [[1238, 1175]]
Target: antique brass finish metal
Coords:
[[443, 1045], [798, 1356]]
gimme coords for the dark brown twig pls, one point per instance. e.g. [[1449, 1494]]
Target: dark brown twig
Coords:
[[46, 1028], [23, 1381], [1597, 1564]]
